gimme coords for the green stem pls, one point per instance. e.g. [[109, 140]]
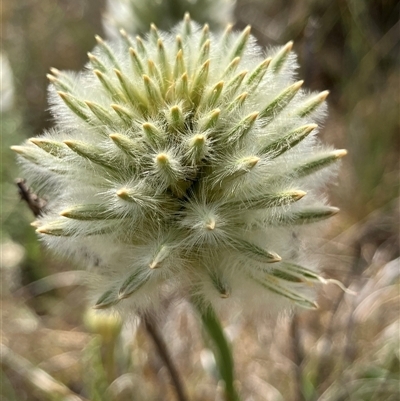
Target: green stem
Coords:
[[222, 349]]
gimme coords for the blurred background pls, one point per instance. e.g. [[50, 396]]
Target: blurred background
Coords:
[[55, 348]]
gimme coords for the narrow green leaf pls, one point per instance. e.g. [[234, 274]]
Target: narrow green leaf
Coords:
[[133, 283], [90, 152], [54, 148], [162, 253], [220, 284], [75, 105], [209, 121], [59, 84], [234, 84], [103, 46], [278, 61], [136, 62], [135, 97], [197, 147], [205, 35], [63, 228], [187, 26], [301, 271], [226, 37], [255, 252], [307, 216], [199, 82], [142, 198], [222, 351], [281, 101], [153, 92], [126, 115], [141, 47], [312, 104], [126, 38], [109, 86], [318, 162], [153, 135], [211, 98], [96, 63], [182, 87], [87, 212], [241, 167], [163, 60], [268, 200], [239, 47], [237, 103], [155, 73], [232, 66], [204, 52], [242, 128], [127, 145], [179, 43], [258, 74], [176, 118], [288, 141], [39, 158], [274, 285], [154, 35], [101, 113], [179, 67], [106, 300]]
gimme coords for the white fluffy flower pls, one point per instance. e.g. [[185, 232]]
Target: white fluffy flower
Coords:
[[185, 161]]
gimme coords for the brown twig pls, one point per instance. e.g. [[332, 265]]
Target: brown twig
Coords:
[[152, 330], [34, 203]]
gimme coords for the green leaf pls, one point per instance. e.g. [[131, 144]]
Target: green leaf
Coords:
[[220, 284], [105, 49], [281, 101], [90, 152], [312, 104], [54, 148], [268, 200], [288, 141], [278, 61], [75, 105], [307, 215], [106, 300], [101, 113], [222, 350], [239, 47], [136, 62], [135, 97], [258, 74], [128, 146], [318, 162], [109, 86], [87, 212], [254, 252], [154, 96], [96, 63], [133, 283], [274, 285]]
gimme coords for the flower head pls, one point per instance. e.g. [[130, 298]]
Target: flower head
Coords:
[[186, 161]]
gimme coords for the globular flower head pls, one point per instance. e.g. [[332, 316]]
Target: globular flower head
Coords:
[[185, 161]]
